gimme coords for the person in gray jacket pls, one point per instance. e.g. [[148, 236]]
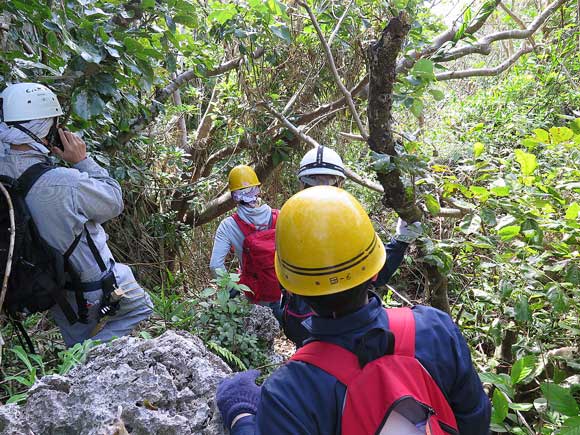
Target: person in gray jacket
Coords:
[[70, 202]]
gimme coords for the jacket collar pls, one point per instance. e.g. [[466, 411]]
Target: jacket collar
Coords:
[[323, 328]]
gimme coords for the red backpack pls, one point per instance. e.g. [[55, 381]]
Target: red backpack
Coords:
[[258, 260], [396, 381]]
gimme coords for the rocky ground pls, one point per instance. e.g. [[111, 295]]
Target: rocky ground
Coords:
[[161, 386]]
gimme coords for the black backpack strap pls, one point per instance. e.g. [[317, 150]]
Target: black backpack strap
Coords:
[[95, 252], [31, 175], [82, 309]]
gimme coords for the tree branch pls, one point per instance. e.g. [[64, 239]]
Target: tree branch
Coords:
[[206, 121], [222, 153], [224, 203], [332, 65], [483, 45], [339, 23], [161, 95], [484, 72], [10, 252], [312, 142]]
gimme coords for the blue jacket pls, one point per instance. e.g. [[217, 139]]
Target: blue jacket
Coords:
[[299, 398]]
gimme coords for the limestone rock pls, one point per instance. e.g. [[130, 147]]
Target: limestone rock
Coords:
[[263, 324], [163, 386]]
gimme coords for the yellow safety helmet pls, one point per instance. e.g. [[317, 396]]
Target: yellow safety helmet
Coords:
[[242, 176], [325, 243]]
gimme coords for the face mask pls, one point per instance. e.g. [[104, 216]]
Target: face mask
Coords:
[[319, 180]]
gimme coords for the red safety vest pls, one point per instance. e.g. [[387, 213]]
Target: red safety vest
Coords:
[[258, 271], [395, 381]]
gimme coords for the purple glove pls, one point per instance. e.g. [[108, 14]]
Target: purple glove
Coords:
[[237, 395]]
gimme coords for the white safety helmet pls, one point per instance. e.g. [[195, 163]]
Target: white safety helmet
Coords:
[[28, 101], [321, 161]]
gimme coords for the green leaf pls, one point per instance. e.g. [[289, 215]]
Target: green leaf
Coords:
[[480, 193], [222, 12], [133, 46], [573, 211], [522, 368], [17, 398], [561, 134], [501, 191], [424, 69], [438, 95], [186, 20], [509, 232], [571, 426], [573, 274], [432, 204], [470, 224], [542, 135], [500, 407], [520, 406], [147, 4], [417, 107], [527, 161], [478, 149], [560, 399], [523, 309], [558, 299], [90, 53], [282, 32], [87, 104]]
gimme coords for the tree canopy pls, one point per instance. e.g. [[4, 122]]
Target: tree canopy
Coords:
[[469, 123]]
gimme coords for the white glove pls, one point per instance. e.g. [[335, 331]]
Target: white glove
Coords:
[[408, 233]]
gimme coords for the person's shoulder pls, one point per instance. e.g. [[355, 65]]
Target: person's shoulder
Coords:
[[433, 321], [60, 177], [299, 374]]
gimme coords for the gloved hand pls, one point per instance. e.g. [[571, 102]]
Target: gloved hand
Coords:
[[237, 395], [408, 233]]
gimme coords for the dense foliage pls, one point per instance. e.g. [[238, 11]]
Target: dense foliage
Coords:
[[171, 94]]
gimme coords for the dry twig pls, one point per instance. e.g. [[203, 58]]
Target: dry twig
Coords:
[[332, 65], [9, 256]]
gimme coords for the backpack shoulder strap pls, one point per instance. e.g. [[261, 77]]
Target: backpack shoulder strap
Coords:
[[333, 359], [402, 325], [31, 175], [274, 218], [244, 227]]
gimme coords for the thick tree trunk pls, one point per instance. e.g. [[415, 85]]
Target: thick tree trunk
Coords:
[[382, 65]]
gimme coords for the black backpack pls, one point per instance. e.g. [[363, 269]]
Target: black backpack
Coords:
[[39, 273]]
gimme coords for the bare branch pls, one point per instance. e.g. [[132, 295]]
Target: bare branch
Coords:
[[181, 125], [483, 45], [222, 153], [351, 175], [8, 267], [332, 65], [352, 137], [517, 20], [163, 94], [413, 56], [484, 72], [206, 122], [340, 103], [185, 77], [339, 23], [311, 141]]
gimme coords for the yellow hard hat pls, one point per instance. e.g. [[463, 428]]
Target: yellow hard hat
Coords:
[[325, 243], [242, 176]]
